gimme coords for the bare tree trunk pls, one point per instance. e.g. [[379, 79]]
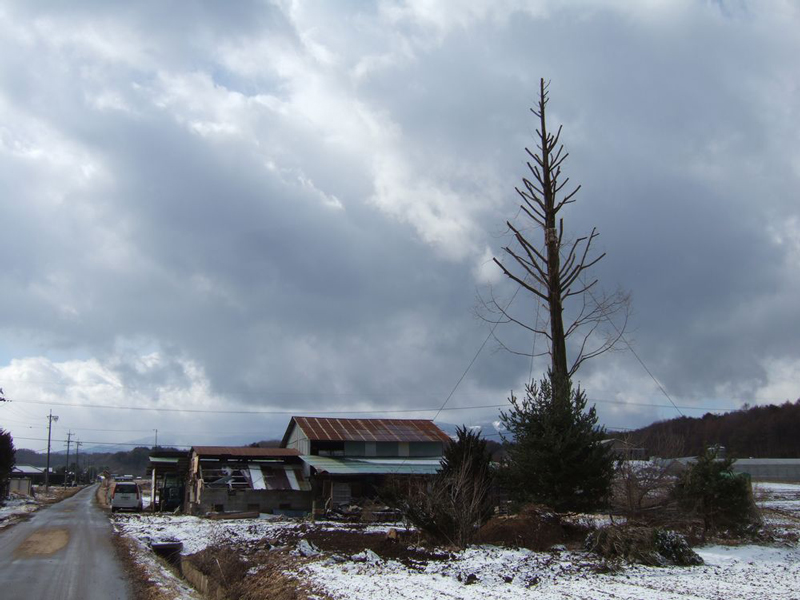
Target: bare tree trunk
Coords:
[[558, 342], [553, 274]]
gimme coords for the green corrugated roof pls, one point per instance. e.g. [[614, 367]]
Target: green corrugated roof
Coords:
[[373, 466]]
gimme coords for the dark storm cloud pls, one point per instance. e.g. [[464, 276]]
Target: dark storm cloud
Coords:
[[279, 212]]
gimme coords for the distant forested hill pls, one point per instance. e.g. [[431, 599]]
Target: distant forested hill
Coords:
[[767, 431], [132, 462]]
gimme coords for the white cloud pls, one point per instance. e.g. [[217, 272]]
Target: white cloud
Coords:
[[302, 197]]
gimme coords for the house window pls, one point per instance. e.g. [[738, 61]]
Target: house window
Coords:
[[386, 449], [323, 448]]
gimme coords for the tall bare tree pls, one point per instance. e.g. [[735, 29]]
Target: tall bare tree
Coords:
[[554, 270]]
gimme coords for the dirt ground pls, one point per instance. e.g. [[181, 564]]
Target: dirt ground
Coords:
[[535, 528], [56, 494], [43, 542]]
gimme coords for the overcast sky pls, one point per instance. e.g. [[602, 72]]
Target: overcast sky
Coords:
[[291, 207]]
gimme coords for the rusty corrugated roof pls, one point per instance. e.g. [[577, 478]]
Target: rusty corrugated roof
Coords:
[[370, 430], [244, 452]]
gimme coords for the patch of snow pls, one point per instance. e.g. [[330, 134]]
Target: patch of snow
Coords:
[[306, 548], [486, 573], [367, 556], [196, 533], [776, 487], [15, 508], [162, 577]]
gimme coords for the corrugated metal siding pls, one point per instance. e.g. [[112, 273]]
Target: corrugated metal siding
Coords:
[[355, 448], [420, 449], [372, 466]]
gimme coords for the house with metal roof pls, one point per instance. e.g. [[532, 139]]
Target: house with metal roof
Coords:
[[349, 459], [225, 479], [23, 478]]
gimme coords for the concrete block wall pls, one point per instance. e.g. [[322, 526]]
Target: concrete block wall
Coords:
[[265, 501]]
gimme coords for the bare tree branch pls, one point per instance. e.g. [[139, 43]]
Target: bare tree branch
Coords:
[[551, 268]]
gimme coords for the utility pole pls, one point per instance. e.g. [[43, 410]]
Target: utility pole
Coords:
[[156, 444], [77, 461], [66, 471], [50, 419]]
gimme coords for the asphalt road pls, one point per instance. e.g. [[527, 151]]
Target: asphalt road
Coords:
[[63, 552]]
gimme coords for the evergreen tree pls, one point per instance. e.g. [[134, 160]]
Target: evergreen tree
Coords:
[[711, 489], [468, 451], [555, 454], [6, 461]]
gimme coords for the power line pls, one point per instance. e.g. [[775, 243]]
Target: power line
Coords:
[[628, 344], [356, 412], [249, 412]]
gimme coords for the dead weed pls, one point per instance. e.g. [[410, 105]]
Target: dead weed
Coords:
[[535, 527], [142, 586], [258, 573]]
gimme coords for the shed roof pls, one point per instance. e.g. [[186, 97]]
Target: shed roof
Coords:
[[244, 452], [27, 470], [367, 430]]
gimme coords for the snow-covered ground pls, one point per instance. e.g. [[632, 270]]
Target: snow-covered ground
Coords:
[[18, 506], [15, 508], [194, 532], [197, 533], [780, 504], [487, 572], [777, 495]]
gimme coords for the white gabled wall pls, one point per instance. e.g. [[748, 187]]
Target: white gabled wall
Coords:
[[298, 440]]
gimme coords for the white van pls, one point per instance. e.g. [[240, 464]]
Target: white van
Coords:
[[126, 495]]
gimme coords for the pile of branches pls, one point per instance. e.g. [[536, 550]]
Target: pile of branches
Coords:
[[642, 545]]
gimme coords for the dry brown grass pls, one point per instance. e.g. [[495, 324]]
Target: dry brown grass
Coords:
[[102, 495], [142, 585], [271, 582], [256, 575]]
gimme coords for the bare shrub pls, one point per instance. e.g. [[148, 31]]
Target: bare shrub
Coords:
[[642, 487], [450, 507]]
